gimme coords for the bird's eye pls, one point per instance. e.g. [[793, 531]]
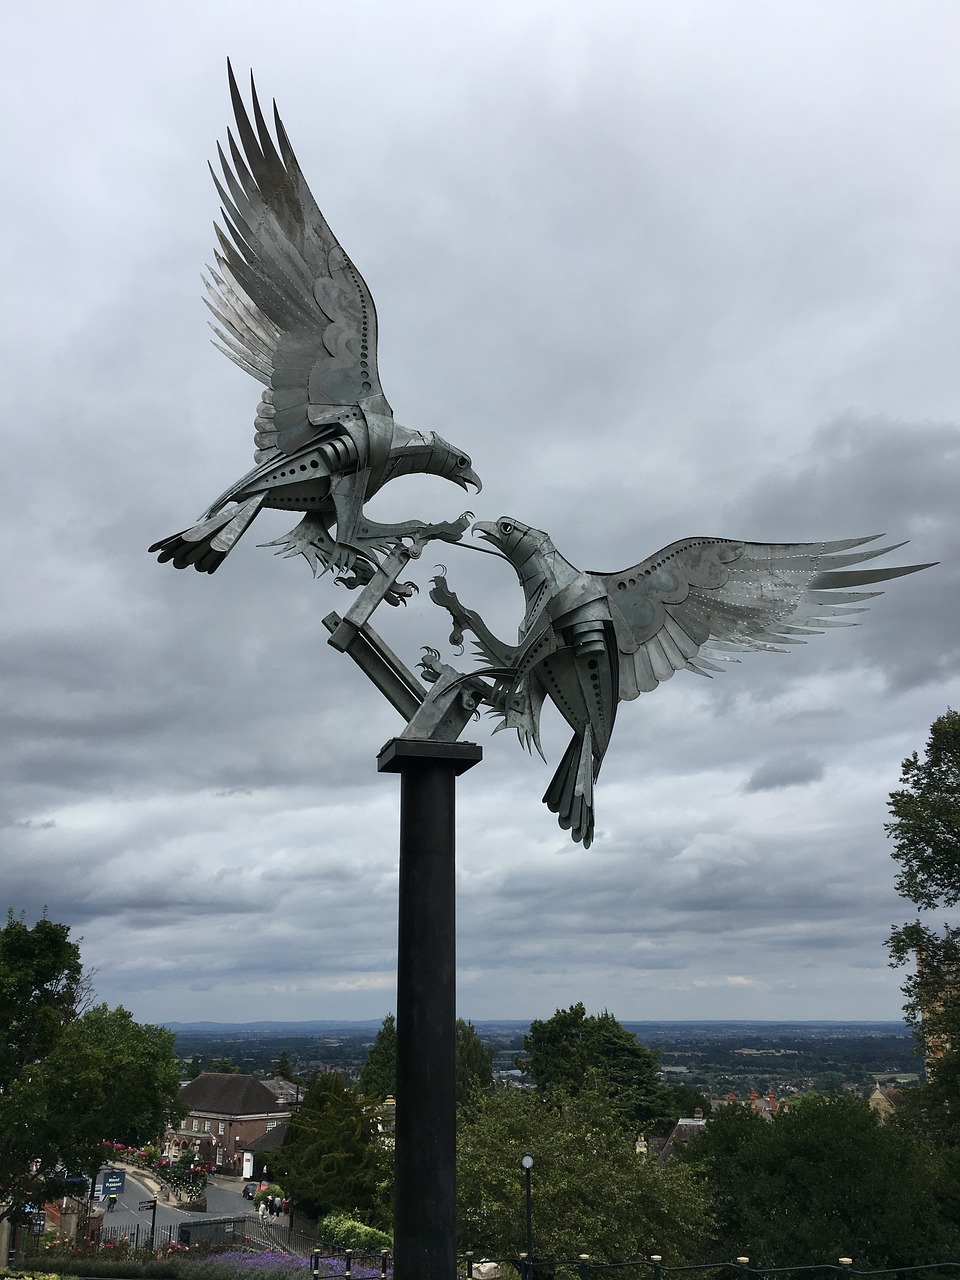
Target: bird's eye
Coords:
[[506, 526], [463, 462]]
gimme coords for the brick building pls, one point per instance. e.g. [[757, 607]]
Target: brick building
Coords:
[[227, 1114]]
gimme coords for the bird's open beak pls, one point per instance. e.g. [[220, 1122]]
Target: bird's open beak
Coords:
[[487, 531], [469, 477]]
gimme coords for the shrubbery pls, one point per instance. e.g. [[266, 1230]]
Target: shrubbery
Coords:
[[346, 1232]]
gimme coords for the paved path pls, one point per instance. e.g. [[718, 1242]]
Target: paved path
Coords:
[[223, 1201]]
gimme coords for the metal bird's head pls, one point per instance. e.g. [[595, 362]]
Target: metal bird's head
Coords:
[[516, 540], [426, 453], [537, 563]]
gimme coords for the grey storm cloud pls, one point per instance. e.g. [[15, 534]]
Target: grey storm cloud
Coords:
[[789, 770], [664, 271]]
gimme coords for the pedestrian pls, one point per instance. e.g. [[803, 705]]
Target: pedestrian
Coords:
[[262, 1210]]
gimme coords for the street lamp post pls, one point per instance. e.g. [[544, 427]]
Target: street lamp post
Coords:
[[527, 1163]]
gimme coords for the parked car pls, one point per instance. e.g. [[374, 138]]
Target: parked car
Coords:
[[249, 1190]]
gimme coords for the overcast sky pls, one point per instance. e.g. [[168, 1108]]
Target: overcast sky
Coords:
[[662, 269]]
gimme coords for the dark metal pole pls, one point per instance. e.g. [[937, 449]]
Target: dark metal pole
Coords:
[[529, 1227], [527, 1162], [425, 1207]]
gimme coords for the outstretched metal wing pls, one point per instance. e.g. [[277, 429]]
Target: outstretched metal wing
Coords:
[[292, 309], [694, 602]]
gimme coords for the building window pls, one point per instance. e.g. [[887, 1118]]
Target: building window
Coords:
[[219, 1155], [196, 1126], [206, 1126], [221, 1127], [271, 1124]]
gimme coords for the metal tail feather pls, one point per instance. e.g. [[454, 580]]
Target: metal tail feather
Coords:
[[208, 543], [570, 793]]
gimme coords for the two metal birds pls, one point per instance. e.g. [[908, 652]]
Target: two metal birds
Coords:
[[591, 640], [293, 311]]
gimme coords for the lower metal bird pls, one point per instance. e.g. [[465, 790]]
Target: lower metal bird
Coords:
[[590, 640]]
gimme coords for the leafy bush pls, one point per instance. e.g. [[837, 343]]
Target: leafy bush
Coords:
[[348, 1233], [271, 1189]]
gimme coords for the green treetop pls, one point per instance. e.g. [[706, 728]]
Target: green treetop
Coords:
[[378, 1077], [222, 1066], [70, 1080], [41, 981], [926, 834], [574, 1049], [821, 1180], [591, 1191], [926, 819], [330, 1159]]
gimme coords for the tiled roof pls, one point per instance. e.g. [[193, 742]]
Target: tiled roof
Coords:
[[224, 1093], [272, 1140]]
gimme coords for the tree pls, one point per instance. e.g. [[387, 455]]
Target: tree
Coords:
[[926, 835], [223, 1066], [329, 1159], [111, 1077], [823, 1179], [572, 1050], [41, 979], [926, 813], [69, 1080], [591, 1191], [679, 1101], [378, 1076], [283, 1069], [474, 1063]]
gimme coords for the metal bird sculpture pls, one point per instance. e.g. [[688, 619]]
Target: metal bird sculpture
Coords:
[[589, 640], [294, 312]]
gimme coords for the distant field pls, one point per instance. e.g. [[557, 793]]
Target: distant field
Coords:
[[715, 1057]]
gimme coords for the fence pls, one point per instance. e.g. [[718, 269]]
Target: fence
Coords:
[[652, 1268], [252, 1231], [138, 1236]]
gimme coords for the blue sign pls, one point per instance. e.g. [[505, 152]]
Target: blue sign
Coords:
[[112, 1182]]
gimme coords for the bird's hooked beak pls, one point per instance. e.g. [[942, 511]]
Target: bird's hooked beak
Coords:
[[469, 476], [488, 531]]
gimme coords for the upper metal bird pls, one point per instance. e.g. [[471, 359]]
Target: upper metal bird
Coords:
[[589, 640], [292, 310]]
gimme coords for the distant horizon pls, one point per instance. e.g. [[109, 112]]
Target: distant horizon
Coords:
[[260, 1023]]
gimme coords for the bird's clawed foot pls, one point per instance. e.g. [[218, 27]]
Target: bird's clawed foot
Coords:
[[448, 530], [429, 665], [441, 594], [370, 535], [361, 574]]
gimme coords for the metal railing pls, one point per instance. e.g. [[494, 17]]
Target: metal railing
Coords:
[[138, 1236], [652, 1268], [252, 1231], [356, 1266]]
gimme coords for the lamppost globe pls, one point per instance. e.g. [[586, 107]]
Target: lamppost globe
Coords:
[[527, 1162]]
